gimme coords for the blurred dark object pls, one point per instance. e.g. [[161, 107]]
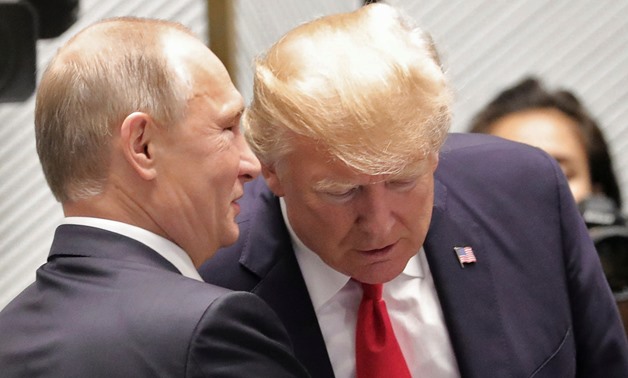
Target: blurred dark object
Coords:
[[609, 232], [54, 16], [18, 34], [21, 24], [367, 2]]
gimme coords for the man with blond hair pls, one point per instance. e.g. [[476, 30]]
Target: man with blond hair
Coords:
[[137, 132], [390, 249]]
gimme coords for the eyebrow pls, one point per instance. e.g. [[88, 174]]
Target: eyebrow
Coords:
[[231, 117], [326, 184]]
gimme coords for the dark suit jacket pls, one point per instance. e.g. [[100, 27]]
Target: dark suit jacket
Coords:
[[105, 305], [535, 303]]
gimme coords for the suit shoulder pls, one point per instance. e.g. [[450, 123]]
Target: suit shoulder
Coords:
[[459, 142], [484, 165], [486, 153], [240, 333]]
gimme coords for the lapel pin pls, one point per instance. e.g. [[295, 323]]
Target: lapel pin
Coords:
[[465, 255]]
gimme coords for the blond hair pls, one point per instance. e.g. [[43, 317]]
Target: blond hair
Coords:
[[106, 72], [366, 86]]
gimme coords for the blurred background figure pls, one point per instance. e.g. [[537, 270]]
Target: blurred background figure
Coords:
[[559, 123]]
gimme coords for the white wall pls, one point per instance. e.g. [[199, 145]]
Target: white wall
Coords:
[[485, 45]]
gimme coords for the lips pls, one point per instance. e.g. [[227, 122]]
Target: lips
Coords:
[[236, 205], [378, 251], [236, 199]]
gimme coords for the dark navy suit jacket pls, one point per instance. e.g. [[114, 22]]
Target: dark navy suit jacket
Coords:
[[105, 305], [536, 302]]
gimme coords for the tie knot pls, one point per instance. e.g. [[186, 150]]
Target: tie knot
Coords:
[[372, 291]]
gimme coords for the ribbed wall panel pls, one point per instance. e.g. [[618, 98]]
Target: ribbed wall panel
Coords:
[[485, 45], [259, 24]]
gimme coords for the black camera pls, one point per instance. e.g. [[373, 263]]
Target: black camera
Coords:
[[18, 34], [608, 229], [21, 24]]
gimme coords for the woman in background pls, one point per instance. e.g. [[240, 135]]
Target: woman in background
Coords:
[[558, 123]]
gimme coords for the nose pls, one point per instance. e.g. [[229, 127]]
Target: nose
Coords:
[[249, 164], [375, 212]]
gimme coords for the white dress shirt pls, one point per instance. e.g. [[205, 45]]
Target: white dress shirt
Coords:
[[167, 249], [413, 306]]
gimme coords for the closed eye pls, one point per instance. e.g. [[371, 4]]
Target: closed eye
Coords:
[[230, 132], [402, 185], [341, 195]]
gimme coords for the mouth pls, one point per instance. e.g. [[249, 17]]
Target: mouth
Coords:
[[378, 252], [236, 205], [237, 198]]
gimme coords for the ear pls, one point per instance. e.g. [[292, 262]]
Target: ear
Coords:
[[135, 133], [434, 161], [272, 180]]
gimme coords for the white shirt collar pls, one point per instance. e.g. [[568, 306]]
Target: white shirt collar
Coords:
[[167, 249], [322, 281]]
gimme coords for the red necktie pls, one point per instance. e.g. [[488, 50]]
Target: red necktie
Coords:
[[377, 353]]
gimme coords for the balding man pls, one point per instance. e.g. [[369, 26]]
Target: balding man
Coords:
[[137, 133]]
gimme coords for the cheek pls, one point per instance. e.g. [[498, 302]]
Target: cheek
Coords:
[[580, 189], [315, 214], [224, 167], [415, 221], [318, 225], [416, 210]]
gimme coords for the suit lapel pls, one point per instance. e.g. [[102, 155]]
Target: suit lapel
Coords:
[[467, 295], [282, 286]]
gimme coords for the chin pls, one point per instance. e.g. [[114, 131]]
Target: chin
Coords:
[[380, 278], [230, 237], [378, 274], [388, 270]]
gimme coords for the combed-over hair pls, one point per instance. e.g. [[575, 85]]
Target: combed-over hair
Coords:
[[366, 86]]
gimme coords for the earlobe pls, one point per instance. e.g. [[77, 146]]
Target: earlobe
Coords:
[[135, 134], [272, 180]]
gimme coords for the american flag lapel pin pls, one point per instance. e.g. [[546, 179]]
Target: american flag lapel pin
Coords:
[[465, 255]]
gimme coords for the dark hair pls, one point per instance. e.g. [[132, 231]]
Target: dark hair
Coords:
[[530, 94]]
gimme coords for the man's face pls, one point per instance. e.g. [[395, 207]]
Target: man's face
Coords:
[[203, 164], [366, 227]]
